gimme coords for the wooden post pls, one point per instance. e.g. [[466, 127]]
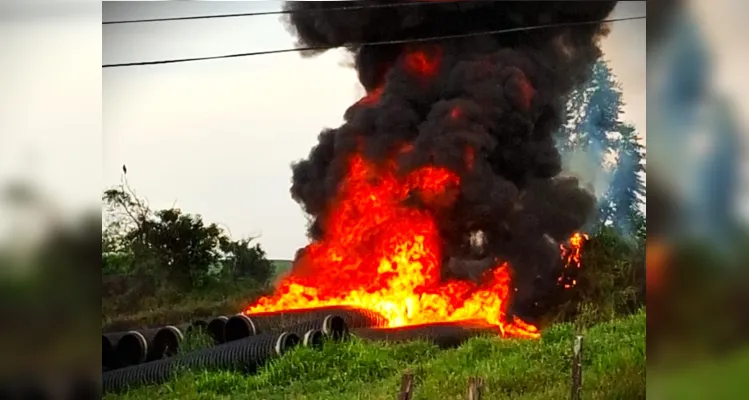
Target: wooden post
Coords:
[[407, 382], [475, 388], [577, 368]]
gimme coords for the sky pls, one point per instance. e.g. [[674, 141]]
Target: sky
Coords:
[[217, 138]]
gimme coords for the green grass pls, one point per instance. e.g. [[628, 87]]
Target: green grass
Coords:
[[614, 368]]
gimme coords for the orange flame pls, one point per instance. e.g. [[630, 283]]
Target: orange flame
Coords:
[[572, 256], [381, 255]]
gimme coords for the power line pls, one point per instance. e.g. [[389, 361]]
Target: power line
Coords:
[[277, 12], [385, 42]]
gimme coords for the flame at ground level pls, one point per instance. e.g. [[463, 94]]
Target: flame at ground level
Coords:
[[382, 255]]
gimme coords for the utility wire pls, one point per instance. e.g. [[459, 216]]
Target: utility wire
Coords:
[[385, 42], [277, 12]]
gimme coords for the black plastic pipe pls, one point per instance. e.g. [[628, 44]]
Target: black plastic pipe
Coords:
[[243, 355], [215, 328], [108, 345], [244, 325], [313, 338], [332, 326], [238, 327], [166, 342], [444, 334], [135, 347], [159, 343]]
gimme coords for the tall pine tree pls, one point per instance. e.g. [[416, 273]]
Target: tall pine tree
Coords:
[[622, 207], [597, 146], [592, 111]]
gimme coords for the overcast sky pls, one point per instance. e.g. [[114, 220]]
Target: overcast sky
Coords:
[[217, 137]]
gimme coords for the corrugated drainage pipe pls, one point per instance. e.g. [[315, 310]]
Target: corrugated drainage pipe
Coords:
[[134, 346], [166, 342], [444, 335], [238, 327], [215, 328], [244, 355], [332, 326], [335, 327], [108, 345], [243, 325], [313, 338]]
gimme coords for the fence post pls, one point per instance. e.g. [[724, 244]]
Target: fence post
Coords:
[[577, 367], [475, 388], [407, 382]]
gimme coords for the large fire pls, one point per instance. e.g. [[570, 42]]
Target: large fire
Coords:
[[383, 255]]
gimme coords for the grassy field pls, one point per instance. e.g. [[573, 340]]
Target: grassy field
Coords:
[[614, 368]]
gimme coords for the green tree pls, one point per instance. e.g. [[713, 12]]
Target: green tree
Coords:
[[594, 133], [627, 191], [173, 245], [591, 115], [245, 260]]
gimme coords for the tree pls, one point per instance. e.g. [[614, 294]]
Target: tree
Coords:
[[125, 213], [627, 189], [592, 112], [244, 260], [173, 245], [605, 152], [180, 246]]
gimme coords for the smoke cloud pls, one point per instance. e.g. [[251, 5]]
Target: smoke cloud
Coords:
[[484, 106]]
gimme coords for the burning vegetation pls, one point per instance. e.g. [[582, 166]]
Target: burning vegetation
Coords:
[[439, 199]]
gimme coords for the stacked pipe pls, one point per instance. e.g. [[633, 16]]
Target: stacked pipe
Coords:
[[267, 335], [251, 340], [109, 342], [243, 355], [122, 349], [442, 334], [215, 329], [300, 321]]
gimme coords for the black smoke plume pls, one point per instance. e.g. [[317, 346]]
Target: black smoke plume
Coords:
[[486, 109]]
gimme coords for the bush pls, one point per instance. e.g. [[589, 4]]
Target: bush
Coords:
[[244, 260], [155, 259], [611, 282]]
